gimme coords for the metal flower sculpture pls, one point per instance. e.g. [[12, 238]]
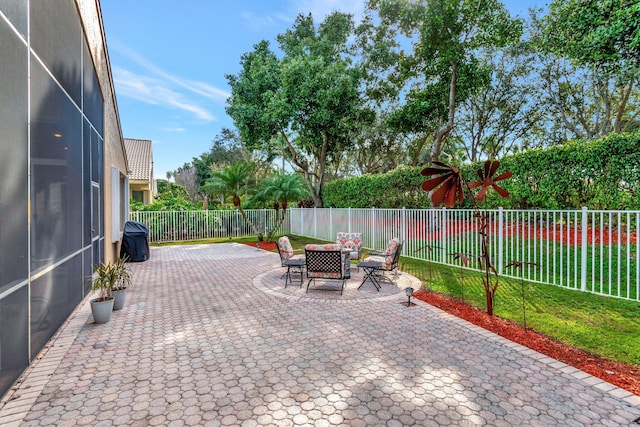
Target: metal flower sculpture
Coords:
[[487, 180], [446, 185], [447, 180]]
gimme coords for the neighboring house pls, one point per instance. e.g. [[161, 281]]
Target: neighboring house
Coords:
[[63, 181], [140, 159]]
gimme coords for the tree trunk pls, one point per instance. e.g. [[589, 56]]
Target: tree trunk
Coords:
[[617, 127], [316, 191], [317, 201], [248, 221], [441, 133]]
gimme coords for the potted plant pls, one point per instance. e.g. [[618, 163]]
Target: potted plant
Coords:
[[122, 279], [109, 277], [102, 306]]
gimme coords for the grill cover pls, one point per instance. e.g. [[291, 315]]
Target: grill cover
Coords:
[[135, 242]]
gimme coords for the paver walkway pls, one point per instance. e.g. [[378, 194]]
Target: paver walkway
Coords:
[[208, 336]]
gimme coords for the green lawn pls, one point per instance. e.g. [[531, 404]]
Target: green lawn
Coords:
[[608, 327], [607, 266]]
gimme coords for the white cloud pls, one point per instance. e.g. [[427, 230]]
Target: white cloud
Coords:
[[174, 129], [158, 87], [200, 88], [156, 92]]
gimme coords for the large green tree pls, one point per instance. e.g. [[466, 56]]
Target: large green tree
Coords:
[[427, 52], [501, 118], [599, 33], [303, 105], [603, 37]]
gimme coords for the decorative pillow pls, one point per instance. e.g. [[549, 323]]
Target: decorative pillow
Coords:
[[351, 241]]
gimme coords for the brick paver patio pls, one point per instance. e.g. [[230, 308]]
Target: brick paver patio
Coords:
[[209, 336]]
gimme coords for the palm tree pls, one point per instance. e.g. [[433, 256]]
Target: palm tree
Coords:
[[280, 189], [233, 181]]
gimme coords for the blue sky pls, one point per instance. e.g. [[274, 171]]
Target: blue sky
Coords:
[[169, 59]]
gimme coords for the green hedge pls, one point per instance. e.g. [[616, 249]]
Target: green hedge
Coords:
[[395, 189], [600, 174]]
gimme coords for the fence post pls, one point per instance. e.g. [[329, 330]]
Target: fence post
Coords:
[[637, 258], [315, 222], [331, 232], [237, 223], [403, 228], [500, 239], [583, 261], [373, 228], [443, 235], [349, 221]]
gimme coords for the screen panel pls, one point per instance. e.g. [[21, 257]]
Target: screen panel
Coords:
[[16, 11], [56, 171], [13, 159], [56, 37], [14, 336], [54, 296], [86, 183], [93, 101]]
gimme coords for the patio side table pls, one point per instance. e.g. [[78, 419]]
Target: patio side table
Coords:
[[294, 266], [370, 268]]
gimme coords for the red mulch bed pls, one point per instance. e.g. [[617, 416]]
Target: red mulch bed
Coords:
[[267, 246], [622, 375]]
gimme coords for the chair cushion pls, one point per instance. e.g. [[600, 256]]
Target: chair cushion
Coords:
[[389, 254], [286, 249], [324, 274]]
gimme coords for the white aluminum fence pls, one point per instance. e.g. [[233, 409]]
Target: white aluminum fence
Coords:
[[589, 250], [174, 226]]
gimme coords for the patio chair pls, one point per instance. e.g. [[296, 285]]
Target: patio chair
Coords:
[[388, 262], [352, 241], [295, 263], [326, 262]]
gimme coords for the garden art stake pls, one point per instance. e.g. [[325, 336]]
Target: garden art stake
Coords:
[[446, 185]]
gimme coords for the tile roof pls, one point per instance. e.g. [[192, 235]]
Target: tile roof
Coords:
[[140, 158]]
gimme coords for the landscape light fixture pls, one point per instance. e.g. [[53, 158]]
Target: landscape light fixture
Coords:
[[409, 292]]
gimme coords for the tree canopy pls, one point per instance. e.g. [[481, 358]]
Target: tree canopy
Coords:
[[604, 34], [441, 68], [415, 81], [304, 105]]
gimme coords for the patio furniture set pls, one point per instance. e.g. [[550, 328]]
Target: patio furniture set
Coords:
[[332, 261]]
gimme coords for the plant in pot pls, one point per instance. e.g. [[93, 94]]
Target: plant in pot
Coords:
[[110, 277], [102, 306], [122, 279]]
